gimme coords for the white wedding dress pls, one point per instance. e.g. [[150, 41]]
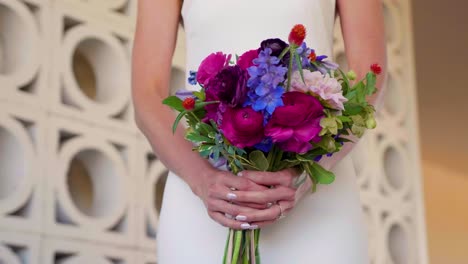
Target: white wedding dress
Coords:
[[326, 227]]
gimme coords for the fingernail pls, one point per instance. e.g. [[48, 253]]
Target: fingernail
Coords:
[[241, 218], [231, 196], [228, 215], [269, 205], [253, 227], [245, 226], [240, 174]]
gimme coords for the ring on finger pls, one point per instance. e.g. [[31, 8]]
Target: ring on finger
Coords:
[[281, 215]]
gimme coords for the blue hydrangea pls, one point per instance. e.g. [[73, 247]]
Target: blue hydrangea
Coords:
[[265, 77]]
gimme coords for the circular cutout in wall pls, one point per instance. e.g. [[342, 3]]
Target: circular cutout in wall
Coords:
[[19, 41], [13, 165]]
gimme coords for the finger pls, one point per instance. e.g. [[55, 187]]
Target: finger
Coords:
[[265, 196], [227, 208], [254, 205], [270, 214], [285, 177], [240, 183], [224, 221]]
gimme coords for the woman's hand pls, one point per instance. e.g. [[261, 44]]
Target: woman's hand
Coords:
[[217, 189], [283, 196]]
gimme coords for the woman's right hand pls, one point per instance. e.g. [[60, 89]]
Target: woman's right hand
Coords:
[[215, 189]]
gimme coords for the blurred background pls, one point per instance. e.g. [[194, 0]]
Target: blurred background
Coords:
[[79, 183], [441, 38]]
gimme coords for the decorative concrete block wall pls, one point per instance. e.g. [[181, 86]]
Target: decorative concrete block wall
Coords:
[[80, 184]]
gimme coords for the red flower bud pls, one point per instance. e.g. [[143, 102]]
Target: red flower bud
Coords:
[[297, 35], [188, 103], [312, 56], [376, 69]]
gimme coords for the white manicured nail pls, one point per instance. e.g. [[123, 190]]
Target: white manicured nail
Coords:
[[231, 196], [253, 227], [245, 226], [240, 174], [241, 218]]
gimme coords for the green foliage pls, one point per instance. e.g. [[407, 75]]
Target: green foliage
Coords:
[[174, 102], [322, 175], [200, 94], [259, 160]]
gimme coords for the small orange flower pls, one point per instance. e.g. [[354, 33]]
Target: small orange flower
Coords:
[[188, 103], [312, 56], [297, 35], [376, 69]]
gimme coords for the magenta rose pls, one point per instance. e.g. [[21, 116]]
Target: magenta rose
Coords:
[[296, 123], [210, 66], [243, 127], [246, 59]]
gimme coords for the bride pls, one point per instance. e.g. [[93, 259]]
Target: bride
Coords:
[[200, 201]]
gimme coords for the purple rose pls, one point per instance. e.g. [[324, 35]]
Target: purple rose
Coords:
[[210, 66], [229, 86], [243, 127], [246, 59], [296, 123]]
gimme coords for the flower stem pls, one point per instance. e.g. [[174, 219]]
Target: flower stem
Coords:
[[246, 249], [237, 245], [257, 252]]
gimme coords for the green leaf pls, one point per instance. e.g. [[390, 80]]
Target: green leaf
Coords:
[[301, 158], [204, 128], [327, 143], [205, 153], [360, 89], [344, 118], [352, 109], [308, 169], [259, 160], [284, 164], [311, 154], [370, 83], [200, 95], [199, 105], [342, 139], [299, 66], [174, 102], [322, 175], [346, 81], [206, 147], [177, 120], [194, 137]]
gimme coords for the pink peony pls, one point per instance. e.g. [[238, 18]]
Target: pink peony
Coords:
[[246, 59], [296, 123], [325, 87], [243, 127], [210, 66]]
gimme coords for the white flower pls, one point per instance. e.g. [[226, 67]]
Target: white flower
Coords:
[[325, 87]]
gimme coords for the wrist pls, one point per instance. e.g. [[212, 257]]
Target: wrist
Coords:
[[199, 178]]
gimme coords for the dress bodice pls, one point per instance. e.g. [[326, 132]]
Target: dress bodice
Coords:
[[237, 26]]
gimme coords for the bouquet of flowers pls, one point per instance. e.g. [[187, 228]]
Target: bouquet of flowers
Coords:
[[274, 107]]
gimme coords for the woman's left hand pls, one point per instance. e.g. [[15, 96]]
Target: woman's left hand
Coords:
[[283, 195]]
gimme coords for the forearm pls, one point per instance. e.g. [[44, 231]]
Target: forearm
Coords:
[[155, 121], [364, 45]]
